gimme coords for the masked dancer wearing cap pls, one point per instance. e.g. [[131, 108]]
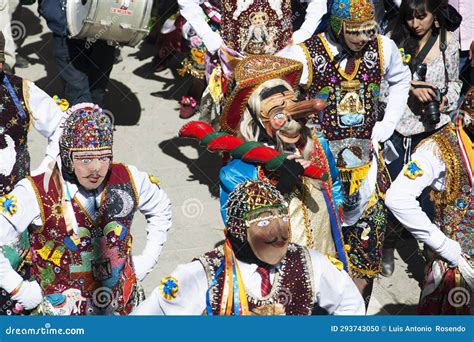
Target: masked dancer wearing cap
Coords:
[[22, 104], [263, 107], [79, 220], [444, 162], [256, 271], [345, 66]]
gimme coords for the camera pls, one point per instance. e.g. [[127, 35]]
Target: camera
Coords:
[[431, 114]]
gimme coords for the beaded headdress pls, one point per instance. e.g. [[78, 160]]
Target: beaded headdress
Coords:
[[247, 201], [352, 16], [86, 128]]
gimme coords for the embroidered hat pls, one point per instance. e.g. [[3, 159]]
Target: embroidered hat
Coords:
[[352, 16], [86, 128], [249, 74], [246, 201]]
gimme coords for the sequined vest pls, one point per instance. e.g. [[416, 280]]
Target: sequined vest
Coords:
[[292, 286], [254, 27], [90, 271], [455, 204], [14, 156], [352, 99]]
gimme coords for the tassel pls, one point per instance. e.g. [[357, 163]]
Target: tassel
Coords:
[[45, 251], [57, 255]]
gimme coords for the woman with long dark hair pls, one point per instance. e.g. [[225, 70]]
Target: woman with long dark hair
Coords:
[[432, 54]]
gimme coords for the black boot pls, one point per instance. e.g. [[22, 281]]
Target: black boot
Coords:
[[388, 262]]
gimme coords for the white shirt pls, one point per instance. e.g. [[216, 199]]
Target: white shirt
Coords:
[[153, 203], [193, 13], [396, 73], [46, 118], [333, 290], [401, 198]]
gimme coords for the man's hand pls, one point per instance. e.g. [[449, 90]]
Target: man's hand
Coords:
[[30, 295], [142, 265], [382, 131], [450, 251]]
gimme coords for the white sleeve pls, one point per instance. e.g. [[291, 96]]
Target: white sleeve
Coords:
[[12, 225], [155, 205], [189, 299], [46, 116], [402, 196], [398, 77], [314, 12], [193, 13], [334, 289], [296, 52]]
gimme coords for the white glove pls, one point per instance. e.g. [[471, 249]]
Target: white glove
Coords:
[[382, 131], [142, 264], [446, 248], [450, 251], [300, 36], [213, 41], [9, 278], [30, 295]]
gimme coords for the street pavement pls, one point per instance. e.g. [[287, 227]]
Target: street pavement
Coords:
[[144, 105]]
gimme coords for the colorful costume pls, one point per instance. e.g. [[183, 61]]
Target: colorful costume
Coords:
[[349, 82], [23, 104], [80, 240], [314, 208], [445, 162], [248, 27], [253, 27], [234, 280]]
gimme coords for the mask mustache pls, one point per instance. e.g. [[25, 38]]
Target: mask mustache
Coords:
[[276, 239], [291, 127]]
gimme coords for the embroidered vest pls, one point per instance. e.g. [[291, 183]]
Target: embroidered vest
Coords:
[[91, 272], [292, 287], [454, 205], [352, 100], [254, 27], [309, 213], [14, 156]]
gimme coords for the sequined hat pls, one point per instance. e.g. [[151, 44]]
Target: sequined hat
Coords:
[[249, 74], [353, 16], [247, 200], [86, 128]]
